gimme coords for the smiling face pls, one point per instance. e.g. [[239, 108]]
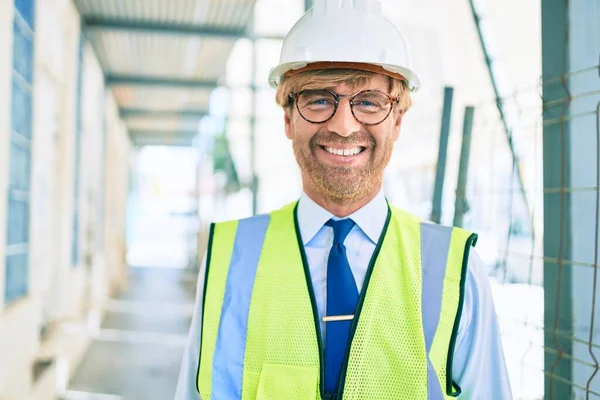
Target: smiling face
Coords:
[[342, 160]]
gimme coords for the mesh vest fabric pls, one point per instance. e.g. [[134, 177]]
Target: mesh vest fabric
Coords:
[[388, 357], [283, 355]]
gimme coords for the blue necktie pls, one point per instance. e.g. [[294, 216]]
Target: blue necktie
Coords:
[[342, 296]]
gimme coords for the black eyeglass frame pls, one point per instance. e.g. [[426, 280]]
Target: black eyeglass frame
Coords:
[[393, 101]]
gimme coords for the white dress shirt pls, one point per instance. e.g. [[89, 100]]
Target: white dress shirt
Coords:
[[478, 365]]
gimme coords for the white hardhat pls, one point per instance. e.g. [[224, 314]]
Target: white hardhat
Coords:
[[345, 34]]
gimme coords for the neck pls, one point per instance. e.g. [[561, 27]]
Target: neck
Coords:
[[340, 209]]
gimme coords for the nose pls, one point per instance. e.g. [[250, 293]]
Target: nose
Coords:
[[343, 122]]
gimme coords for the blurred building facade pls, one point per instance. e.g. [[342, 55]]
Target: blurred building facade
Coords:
[[73, 139], [64, 161]]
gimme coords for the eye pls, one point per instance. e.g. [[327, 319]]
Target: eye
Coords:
[[371, 102], [367, 103], [316, 100], [368, 106], [320, 102]]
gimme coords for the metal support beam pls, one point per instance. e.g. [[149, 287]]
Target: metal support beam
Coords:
[[436, 204], [179, 142], [163, 133], [571, 87], [558, 230], [138, 80], [148, 27], [113, 24], [461, 205], [162, 141], [143, 112]]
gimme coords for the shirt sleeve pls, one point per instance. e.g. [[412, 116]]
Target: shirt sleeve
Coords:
[[479, 367], [186, 384]]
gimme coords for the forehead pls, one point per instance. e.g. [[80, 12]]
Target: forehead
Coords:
[[342, 82], [377, 82]]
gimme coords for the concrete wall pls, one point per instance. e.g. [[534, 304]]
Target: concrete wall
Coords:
[[51, 131], [116, 180], [58, 291]]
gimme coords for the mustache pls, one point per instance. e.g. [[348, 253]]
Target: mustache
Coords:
[[335, 139]]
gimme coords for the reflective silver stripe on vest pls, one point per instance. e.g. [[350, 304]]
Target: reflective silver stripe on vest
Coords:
[[230, 347], [435, 246]]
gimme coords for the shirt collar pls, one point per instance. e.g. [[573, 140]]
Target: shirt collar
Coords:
[[370, 218]]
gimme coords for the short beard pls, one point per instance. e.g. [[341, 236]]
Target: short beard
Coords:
[[343, 184]]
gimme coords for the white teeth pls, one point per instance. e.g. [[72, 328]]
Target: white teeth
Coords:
[[344, 152]]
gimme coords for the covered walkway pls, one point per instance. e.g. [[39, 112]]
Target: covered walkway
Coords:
[[137, 351]]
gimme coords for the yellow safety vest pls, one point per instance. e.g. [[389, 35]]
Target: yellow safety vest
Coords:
[[261, 334]]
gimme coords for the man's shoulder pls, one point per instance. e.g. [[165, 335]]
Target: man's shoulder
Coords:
[[287, 209], [404, 216]]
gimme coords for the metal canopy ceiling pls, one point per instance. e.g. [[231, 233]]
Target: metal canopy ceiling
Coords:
[[163, 58]]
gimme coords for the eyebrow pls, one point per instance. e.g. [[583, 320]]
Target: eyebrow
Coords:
[[354, 91]]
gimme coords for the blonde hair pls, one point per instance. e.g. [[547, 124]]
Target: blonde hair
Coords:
[[330, 78]]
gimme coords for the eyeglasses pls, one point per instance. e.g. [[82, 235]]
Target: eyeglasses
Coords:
[[369, 107]]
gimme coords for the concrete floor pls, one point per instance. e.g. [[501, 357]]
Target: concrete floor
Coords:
[[137, 352]]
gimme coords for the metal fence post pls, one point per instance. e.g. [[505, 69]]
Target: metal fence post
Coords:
[[461, 206], [436, 204]]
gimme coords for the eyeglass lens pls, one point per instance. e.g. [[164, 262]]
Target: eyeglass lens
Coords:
[[368, 107]]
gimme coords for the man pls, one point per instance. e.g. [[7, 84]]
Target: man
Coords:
[[339, 295]]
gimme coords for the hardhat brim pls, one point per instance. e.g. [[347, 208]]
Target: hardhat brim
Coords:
[[279, 72]]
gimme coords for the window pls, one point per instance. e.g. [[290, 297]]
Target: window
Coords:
[[17, 245]]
